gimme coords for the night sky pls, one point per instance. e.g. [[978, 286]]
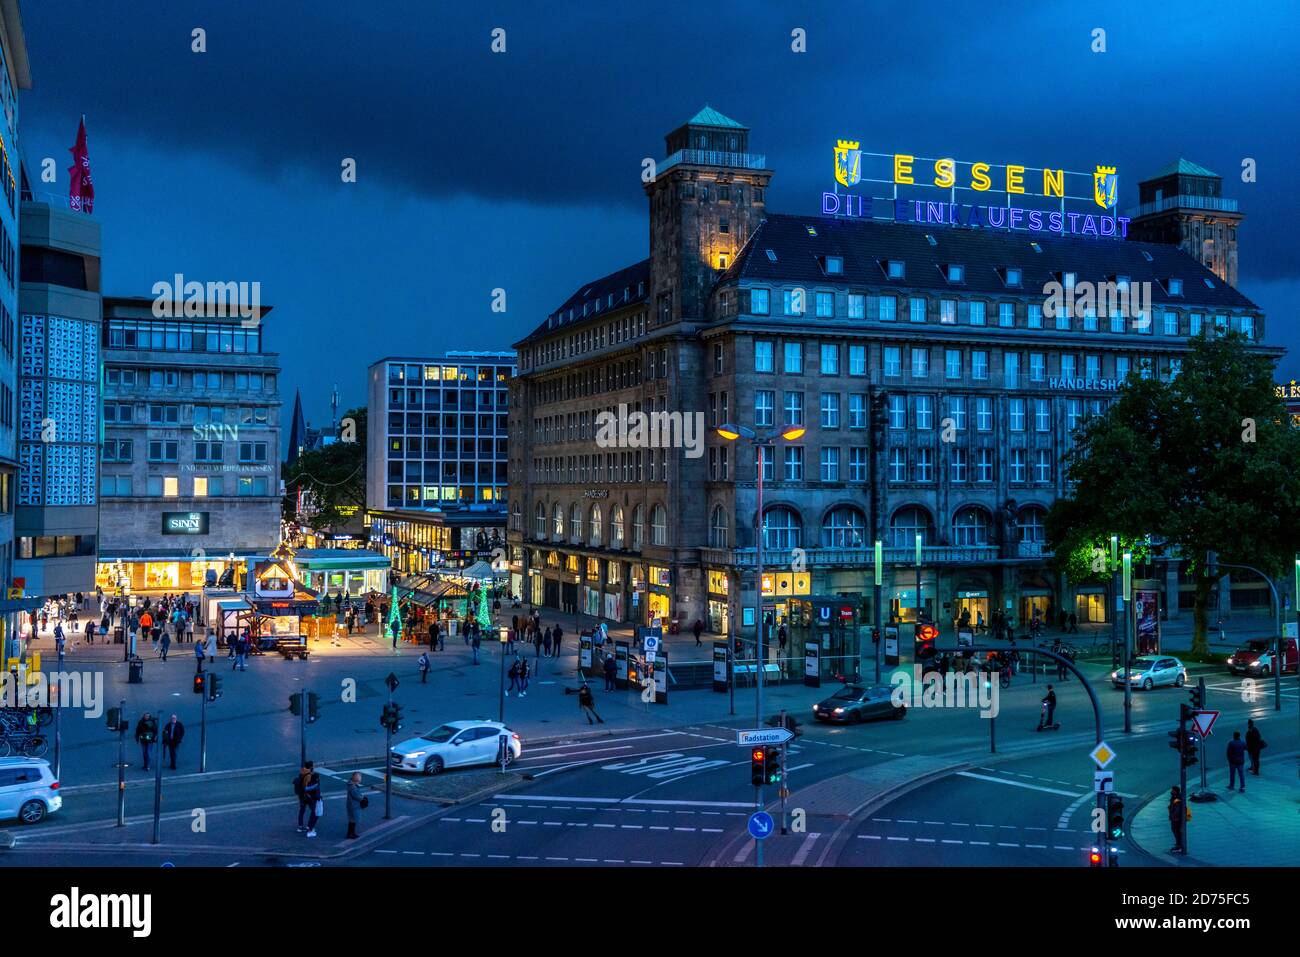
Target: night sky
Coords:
[[521, 170]]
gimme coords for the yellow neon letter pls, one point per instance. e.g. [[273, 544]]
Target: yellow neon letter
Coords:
[[1015, 179], [944, 173], [979, 178], [903, 168], [1054, 182]]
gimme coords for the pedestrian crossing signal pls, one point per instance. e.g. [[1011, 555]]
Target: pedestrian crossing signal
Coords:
[[772, 765], [1115, 816], [756, 774], [198, 684], [313, 706]]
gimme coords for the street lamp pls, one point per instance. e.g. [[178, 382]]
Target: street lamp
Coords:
[[1114, 594], [1128, 640], [759, 440]]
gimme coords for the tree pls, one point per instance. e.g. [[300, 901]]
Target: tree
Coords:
[[1204, 462], [332, 478]]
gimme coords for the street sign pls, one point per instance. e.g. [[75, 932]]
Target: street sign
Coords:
[[391, 681], [761, 825], [1103, 782], [1102, 754], [747, 739], [1204, 721], [651, 645]]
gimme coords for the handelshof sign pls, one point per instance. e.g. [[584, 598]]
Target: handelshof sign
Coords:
[[185, 523], [972, 181]]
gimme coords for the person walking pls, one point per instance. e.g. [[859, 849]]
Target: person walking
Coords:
[[537, 641], [474, 643], [510, 641], [1237, 761], [1255, 743], [423, 663], [698, 629], [610, 670], [556, 637], [587, 704], [146, 733], [1047, 718], [312, 799], [241, 651], [1074, 623], [300, 791], [1177, 819], [397, 632], [164, 643], [189, 627], [172, 734], [523, 677], [357, 802], [514, 677]]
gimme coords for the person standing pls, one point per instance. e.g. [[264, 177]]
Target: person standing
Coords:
[[423, 663], [172, 734], [611, 670], [1237, 761], [1047, 718], [698, 629], [555, 640], [523, 677], [300, 791], [146, 733], [537, 641], [474, 643], [200, 652], [546, 642], [357, 802], [397, 632], [1255, 743], [1074, 623], [311, 796], [433, 634], [514, 677], [587, 704], [1177, 819]]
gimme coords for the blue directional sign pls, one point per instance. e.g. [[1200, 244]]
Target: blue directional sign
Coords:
[[761, 825]]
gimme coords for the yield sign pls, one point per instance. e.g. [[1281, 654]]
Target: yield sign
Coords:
[[1204, 721]]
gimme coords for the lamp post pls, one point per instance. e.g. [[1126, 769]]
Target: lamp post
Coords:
[[880, 635], [918, 578], [759, 440], [1114, 594], [1128, 640]]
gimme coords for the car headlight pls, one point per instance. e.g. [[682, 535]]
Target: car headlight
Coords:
[[839, 710], [1114, 675], [414, 754], [1254, 664], [1232, 661]]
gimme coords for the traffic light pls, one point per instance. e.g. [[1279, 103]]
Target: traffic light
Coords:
[[756, 773], [295, 704], [198, 684], [313, 706], [924, 638], [1197, 695], [1115, 817], [391, 718], [771, 765], [1094, 857], [214, 686], [1186, 744]]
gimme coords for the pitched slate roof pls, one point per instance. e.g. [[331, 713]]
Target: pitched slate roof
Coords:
[[711, 117], [866, 245], [631, 284], [1182, 166]]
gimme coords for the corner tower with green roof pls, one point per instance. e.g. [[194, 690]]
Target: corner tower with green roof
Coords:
[[1183, 205]]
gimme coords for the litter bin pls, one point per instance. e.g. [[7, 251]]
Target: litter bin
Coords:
[[135, 671], [119, 635]]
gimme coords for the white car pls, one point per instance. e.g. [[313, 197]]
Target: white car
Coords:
[[1147, 672], [28, 790], [456, 744]]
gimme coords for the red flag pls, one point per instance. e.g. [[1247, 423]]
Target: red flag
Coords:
[[81, 191]]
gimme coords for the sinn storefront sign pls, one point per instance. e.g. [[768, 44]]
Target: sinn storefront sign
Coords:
[[185, 523]]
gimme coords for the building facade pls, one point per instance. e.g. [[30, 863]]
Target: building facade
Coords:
[[190, 463], [57, 518], [936, 386], [436, 457]]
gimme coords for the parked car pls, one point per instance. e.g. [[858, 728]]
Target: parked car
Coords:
[[853, 704], [453, 745], [28, 790], [1149, 671], [1256, 658]]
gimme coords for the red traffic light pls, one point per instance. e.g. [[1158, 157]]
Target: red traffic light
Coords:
[[1094, 857], [757, 754], [927, 633]]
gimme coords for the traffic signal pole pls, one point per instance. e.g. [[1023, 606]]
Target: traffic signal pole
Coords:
[[302, 729], [121, 764], [157, 781], [388, 756], [203, 728], [1182, 770], [758, 683]]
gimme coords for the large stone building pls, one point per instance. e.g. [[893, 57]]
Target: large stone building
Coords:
[[936, 390]]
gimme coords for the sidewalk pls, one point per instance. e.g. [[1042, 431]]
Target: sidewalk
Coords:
[[1268, 810]]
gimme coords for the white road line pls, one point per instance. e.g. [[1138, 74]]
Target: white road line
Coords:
[[572, 754], [1015, 784], [805, 849], [798, 767], [743, 853], [647, 801], [572, 744]]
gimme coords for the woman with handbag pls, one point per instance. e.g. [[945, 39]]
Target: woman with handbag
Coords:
[[357, 802], [312, 798]]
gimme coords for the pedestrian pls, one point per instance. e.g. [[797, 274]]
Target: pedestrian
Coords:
[[514, 622], [442, 636], [189, 627], [1255, 743], [610, 670], [312, 798], [510, 641], [559, 634], [200, 652], [397, 632], [433, 634], [242, 646], [698, 628], [1237, 761], [781, 638], [1177, 819], [164, 643], [945, 662], [1074, 623], [357, 802], [979, 622], [523, 678], [474, 643], [514, 677], [546, 642], [146, 733], [423, 663], [587, 704], [172, 734], [90, 631], [1047, 718], [300, 791], [211, 651], [537, 641]]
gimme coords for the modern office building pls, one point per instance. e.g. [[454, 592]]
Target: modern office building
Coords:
[[15, 75], [937, 389], [436, 457], [190, 464], [57, 518]]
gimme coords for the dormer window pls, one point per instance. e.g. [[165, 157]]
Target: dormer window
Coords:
[[1011, 276], [931, 240], [1175, 287], [895, 269], [1147, 256], [771, 255], [956, 273], [835, 265], [812, 230], [1035, 247], [1209, 283]]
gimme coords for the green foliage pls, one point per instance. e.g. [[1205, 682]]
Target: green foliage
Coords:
[[333, 480]]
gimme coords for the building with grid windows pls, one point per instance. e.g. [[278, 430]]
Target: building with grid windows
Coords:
[[190, 464], [937, 388], [436, 457]]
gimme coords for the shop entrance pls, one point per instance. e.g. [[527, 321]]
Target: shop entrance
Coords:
[[1031, 605], [1090, 607], [903, 607], [658, 607], [973, 606]]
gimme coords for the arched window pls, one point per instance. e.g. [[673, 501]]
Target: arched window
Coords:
[[718, 530], [575, 523], [594, 528], [638, 527], [970, 526], [782, 528], [906, 524], [1031, 521], [659, 525], [557, 531], [539, 522], [616, 527], [844, 527]]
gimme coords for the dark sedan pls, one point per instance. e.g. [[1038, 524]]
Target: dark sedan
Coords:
[[853, 704]]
